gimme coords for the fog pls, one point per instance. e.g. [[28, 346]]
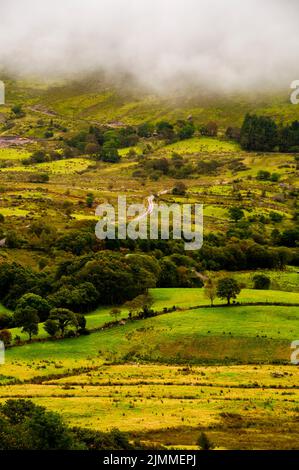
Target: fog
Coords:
[[222, 44]]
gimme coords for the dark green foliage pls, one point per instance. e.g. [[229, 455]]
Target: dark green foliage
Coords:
[[51, 327], [15, 281], [289, 138], [109, 153], [5, 320], [89, 200], [40, 305], [64, 319], [235, 213], [290, 237], [186, 131], [80, 298], [165, 130], [276, 217], [39, 178], [27, 319], [204, 442], [259, 133], [25, 426], [76, 241], [228, 288], [261, 281]]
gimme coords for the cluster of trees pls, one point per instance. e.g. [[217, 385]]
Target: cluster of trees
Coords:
[[226, 288], [265, 175], [177, 167], [102, 143], [61, 295], [26, 426], [105, 278], [154, 168], [236, 255], [262, 134]]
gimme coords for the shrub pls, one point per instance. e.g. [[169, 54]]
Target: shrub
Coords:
[[204, 442], [261, 282]]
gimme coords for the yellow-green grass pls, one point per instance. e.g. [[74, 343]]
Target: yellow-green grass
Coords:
[[270, 162], [124, 152], [287, 280], [71, 165], [81, 216], [13, 211], [188, 297], [200, 145], [170, 405], [13, 154]]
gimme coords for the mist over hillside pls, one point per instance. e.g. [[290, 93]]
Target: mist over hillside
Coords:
[[210, 44]]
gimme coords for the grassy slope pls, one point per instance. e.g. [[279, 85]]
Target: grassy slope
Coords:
[[243, 334], [182, 298], [100, 99]]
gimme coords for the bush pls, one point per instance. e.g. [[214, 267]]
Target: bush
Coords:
[[39, 178], [204, 443], [261, 282]]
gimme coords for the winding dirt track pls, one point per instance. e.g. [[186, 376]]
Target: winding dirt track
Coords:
[[150, 206]]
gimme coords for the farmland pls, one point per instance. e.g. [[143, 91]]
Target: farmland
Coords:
[[187, 367]]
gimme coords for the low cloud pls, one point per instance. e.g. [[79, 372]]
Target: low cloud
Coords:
[[218, 44]]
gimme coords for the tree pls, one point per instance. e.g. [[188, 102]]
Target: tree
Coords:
[[204, 442], [259, 133], [263, 175], [64, 319], [51, 327], [186, 132], [36, 302], [165, 130], [235, 213], [89, 200], [109, 153], [26, 426], [5, 337], [210, 129], [134, 307], [210, 291], [275, 217], [81, 323], [261, 281], [28, 319], [147, 302], [92, 149], [228, 288], [179, 189]]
